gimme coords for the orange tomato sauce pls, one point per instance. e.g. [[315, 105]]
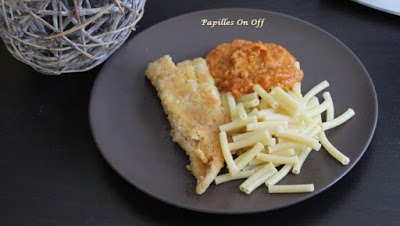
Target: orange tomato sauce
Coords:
[[239, 65]]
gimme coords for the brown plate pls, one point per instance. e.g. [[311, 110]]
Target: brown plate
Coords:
[[132, 131]]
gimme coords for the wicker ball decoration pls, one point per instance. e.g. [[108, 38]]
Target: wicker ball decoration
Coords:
[[62, 36]]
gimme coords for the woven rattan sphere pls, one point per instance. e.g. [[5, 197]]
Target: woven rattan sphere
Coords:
[[61, 36]]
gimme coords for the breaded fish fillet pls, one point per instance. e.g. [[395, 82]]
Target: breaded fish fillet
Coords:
[[193, 105]]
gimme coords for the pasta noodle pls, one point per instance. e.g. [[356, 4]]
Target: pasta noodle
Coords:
[[293, 188], [314, 91], [266, 167], [247, 135], [251, 183], [268, 141], [293, 95], [297, 90], [314, 131], [267, 125], [249, 141], [309, 141], [224, 102], [254, 112], [266, 111], [339, 120], [312, 103], [258, 181], [330, 111], [279, 175], [277, 159], [247, 97], [265, 96], [278, 128], [229, 127], [302, 157], [297, 64], [231, 104], [240, 111], [256, 162], [332, 150], [285, 145], [251, 103], [285, 152], [249, 155], [285, 101], [228, 177], [318, 110], [240, 155], [227, 153], [268, 116]]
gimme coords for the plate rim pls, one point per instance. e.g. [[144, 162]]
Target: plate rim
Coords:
[[223, 211]]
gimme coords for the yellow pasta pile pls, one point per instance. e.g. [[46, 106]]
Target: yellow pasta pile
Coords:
[[276, 129]]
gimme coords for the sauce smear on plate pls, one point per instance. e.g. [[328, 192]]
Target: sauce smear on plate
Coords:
[[239, 65]]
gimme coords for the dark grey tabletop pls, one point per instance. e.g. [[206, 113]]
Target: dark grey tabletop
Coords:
[[53, 174]]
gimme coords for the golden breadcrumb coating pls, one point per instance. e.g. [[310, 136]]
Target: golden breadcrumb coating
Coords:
[[193, 105]]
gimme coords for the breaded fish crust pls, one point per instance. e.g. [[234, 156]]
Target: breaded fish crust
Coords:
[[193, 105]]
